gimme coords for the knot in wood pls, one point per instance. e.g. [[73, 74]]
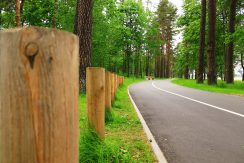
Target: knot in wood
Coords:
[[31, 49]]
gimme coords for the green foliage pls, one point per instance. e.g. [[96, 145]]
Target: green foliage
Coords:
[[124, 33], [187, 53], [153, 37], [118, 38], [7, 14], [38, 13], [106, 34]]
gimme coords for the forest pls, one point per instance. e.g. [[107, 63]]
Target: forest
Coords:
[[129, 38]]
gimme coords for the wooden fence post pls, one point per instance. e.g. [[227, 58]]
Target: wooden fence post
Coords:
[[95, 85], [112, 87], [115, 83], [39, 90], [108, 91], [120, 80]]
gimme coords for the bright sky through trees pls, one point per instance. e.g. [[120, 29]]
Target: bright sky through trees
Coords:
[[177, 3]]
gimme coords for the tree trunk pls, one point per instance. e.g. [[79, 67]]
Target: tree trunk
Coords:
[[242, 65], [83, 28], [17, 9], [204, 75], [168, 47], [141, 68], [156, 67], [162, 62], [55, 16], [224, 13], [159, 66], [21, 10], [202, 43], [230, 71], [147, 64], [212, 79], [186, 73], [124, 63], [128, 64]]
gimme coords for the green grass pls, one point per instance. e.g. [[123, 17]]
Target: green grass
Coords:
[[125, 140], [237, 88]]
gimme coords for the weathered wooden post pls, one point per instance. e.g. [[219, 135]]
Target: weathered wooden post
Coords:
[[112, 87], [120, 80], [39, 89], [95, 92], [108, 91], [115, 83]]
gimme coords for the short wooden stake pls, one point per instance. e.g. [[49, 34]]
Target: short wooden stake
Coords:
[[108, 91], [95, 85], [120, 80], [112, 87], [115, 83], [39, 90]]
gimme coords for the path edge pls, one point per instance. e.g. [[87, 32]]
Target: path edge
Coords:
[[157, 151]]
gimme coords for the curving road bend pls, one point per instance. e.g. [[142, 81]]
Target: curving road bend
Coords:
[[192, 126]]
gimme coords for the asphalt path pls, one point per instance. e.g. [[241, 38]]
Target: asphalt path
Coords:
[[192, 126]]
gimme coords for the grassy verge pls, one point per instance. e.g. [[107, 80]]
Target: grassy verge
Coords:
[[221, 87], [125, 140]]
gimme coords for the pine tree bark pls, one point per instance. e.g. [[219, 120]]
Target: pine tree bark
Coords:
[[156, 67], [242, 65], [147, 64], [230, 52], [224, 22], [162, 61], [168, 59], [83, 28], [202, 43], [212, 79], [55, 16], [160, 67], [17, 9]]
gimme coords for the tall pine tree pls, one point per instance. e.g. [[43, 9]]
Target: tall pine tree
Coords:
[[83, 28]]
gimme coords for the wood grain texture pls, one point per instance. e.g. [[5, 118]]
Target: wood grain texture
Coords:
[[95, 92], [108, 91], [39, 74]]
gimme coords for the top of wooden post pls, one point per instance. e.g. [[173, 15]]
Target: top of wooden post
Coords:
[[39, 90]]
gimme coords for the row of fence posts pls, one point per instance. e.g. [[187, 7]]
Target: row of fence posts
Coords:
[[101, 87], [39, 96]]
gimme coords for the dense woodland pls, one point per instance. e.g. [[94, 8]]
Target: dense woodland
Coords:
[[127, 37]]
